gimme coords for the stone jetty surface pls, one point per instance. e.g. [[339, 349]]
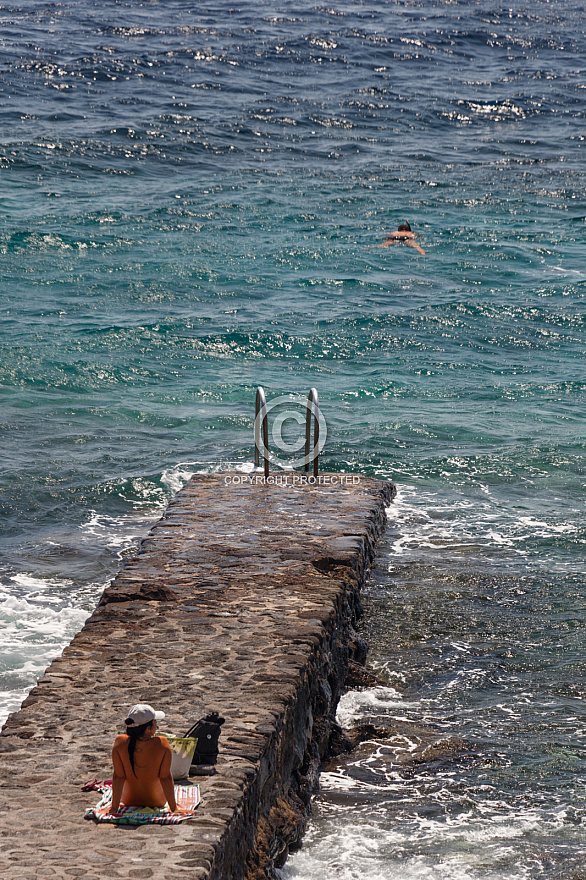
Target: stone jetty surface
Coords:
[[241, 599]]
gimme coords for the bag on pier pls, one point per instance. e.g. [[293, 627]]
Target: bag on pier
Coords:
[[207, 731], [182, 751]]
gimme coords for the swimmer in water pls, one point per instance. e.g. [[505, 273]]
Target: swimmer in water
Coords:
[[402, 235]]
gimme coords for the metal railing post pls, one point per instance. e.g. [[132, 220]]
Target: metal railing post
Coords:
[[261, 427], [312, 407]]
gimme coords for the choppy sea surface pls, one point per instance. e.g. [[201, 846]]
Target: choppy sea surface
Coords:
[[190, 195]]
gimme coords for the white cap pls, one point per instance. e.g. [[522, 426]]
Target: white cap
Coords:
[[142, 713]]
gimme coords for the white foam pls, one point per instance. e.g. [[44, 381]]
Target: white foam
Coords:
[[354, 705], [38, 618], [175, 478], [476, 522], [403, 844], [116, 533]]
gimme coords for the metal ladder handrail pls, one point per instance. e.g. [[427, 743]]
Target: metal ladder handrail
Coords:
[[261, 426], [312, 407]]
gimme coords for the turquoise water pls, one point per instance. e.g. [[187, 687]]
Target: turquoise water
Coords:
[[189, 203]]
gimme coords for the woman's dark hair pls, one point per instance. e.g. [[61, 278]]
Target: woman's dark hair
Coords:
[[404, 227], [135, 732]]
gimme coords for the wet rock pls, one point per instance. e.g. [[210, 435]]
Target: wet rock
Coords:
[[339, 743], [361, 677]]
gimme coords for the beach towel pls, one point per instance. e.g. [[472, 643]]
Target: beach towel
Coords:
[[187, 797]]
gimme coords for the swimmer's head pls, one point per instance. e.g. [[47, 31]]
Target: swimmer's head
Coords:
[[404, 227]]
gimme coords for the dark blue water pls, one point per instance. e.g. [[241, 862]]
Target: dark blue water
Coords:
[[189, 202]]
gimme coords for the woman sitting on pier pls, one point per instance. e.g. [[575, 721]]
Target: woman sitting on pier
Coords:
[[142, 763]]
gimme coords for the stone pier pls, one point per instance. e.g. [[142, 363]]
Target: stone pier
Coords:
[[242, 599]]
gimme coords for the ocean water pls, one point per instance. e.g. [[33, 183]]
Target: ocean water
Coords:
[[190, 196]]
